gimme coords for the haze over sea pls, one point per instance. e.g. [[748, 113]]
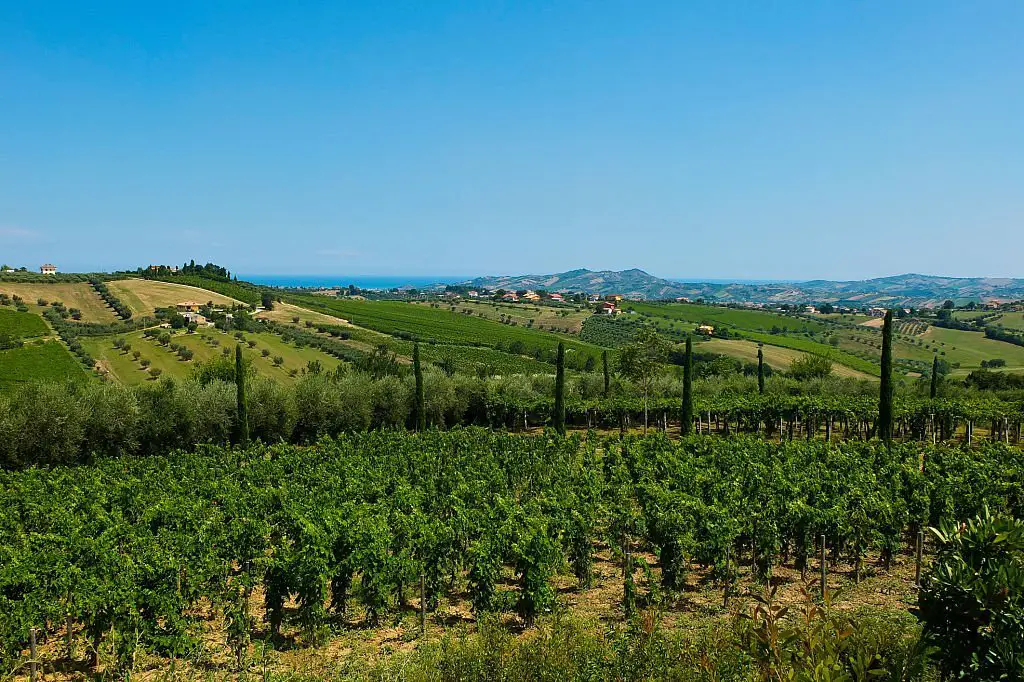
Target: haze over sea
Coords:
[[393, 281]]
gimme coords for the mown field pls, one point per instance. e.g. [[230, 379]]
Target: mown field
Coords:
[[143, 296], [970, 348], [21, 325], [777, 357], [79, 295], [797, 343], [1009, 320], [47, 361]]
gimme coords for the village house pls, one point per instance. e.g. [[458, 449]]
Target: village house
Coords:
[[811, 310], [682, 299], [877, 312], [615, 298], [531, 296], [557, 297], [188, 307], [48, 269], [510, 297], [473, 294]]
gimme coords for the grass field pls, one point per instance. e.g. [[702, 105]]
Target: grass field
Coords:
[[143, 296], [443, 326], [562, 318], [970, 348], [20, 325], [79, 295], [775, 356], [754, 320], [123, 367], [47, 361], [1010, 321]]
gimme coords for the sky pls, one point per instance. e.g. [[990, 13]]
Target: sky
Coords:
[[721, 139]]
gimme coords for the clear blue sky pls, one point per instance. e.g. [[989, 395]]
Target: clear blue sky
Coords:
[[761, 139]]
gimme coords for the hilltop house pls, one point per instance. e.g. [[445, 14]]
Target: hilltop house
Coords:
[[48, 269], [188, 307]]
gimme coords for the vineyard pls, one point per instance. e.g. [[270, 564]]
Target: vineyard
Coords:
[[287, 546]]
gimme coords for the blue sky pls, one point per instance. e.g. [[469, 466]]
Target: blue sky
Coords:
[[761, 139]]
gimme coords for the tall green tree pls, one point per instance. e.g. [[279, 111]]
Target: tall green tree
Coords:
[[558, 418], [760, 370], [421, 405], [241, 411], [885, 388], [935, 378], [607, 374], [641, 361], [686, 417]]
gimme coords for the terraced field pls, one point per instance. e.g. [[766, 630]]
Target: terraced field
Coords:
[[143, 296], [78, 295]]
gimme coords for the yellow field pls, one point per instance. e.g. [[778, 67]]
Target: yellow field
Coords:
[[778, 358], [144, 296], [79, 295]]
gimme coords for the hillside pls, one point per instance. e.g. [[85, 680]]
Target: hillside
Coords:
[[899, 290]]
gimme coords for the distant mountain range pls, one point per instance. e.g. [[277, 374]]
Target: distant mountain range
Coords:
[[904, 290]]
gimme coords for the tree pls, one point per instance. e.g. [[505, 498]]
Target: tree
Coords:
[[934, 390], [267, 300], [885, 389], [810, 367], [948, 305], [686, 417], [241, 412], [641, 361], [607, 374], [558, 418], [421, 406], [760, 369]]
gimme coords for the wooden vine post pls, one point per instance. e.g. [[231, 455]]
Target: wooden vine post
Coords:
[[423, 605], [33, 665], [824, 571], [920, 555]]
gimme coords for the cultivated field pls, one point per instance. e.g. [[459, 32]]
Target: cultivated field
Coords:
[[47, 361], [79, 295], [21, 325], [144, 296], [754, 320], [564, 319], [286, 312]]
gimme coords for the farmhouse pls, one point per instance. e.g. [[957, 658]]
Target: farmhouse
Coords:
[[877, 312], [706, 329], [188, 307], [510, 297], [615, 298], [194, 318], [473, 294], [606, 308], [557, 297], [531, 296], [48, 269]]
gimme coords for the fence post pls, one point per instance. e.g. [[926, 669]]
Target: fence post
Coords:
[[33, 666], [920, 553], [824, 571]]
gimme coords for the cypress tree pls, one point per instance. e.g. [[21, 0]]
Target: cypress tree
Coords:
[[686, 417], [558, 418], [421, 406], [935, 378], [241, 413], [885, 390], [607, 376], [760, 370]]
